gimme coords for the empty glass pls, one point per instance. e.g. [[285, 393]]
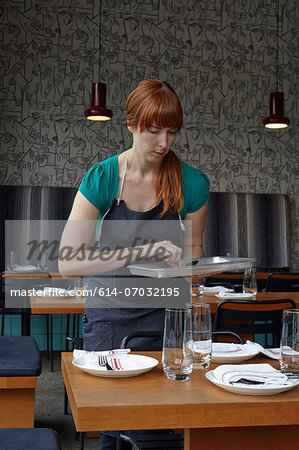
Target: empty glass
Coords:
[[249, 282], [197, 288], [177, 356], [80, 286], [289, 344], [201, 342]]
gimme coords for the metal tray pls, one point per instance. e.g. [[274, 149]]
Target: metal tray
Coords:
[[191, 267]]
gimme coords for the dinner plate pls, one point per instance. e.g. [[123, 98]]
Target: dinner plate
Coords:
[[251, 389], [230, 353], [235, 296], [140, 364]]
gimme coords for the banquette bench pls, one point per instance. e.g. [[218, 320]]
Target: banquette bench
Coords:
[[238, 224]]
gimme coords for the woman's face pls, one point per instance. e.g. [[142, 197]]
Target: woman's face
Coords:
[[155, 142]]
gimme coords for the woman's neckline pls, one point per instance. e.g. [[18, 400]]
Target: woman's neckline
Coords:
[[119, 184]]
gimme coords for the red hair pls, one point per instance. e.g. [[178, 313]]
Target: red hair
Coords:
[[154, 102]]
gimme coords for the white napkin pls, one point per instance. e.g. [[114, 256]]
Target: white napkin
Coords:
[[234, 295], [220, 348], [263, 373], [116, 357], [216, 289], [273, 353]]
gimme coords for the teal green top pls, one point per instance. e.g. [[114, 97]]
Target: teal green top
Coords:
[[100, 186]]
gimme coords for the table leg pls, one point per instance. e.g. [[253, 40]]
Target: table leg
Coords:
[[51, 342], [25, 323]]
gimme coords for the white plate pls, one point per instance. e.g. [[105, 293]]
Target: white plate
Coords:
[[140, 364], [216, 290], [234, 296], [231, 353], [251, 389]]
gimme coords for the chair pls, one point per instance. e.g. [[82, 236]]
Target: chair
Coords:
[[167, 440], [215, 336], [252, 317], [282, 282], [229, 280], [29, 439], [20, 365]]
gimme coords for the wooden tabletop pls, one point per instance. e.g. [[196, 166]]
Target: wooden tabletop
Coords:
[[150, 401], [213, 300], [61, 305]]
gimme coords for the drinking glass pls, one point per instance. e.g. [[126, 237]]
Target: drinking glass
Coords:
[[249, 282], [80, 286], [289, 344], [201, 333], [197, 288], [177, 356]]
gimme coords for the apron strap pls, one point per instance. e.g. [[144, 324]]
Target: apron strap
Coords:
[[122, 182]]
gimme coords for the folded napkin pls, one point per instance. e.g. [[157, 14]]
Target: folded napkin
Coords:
[[216, 290], [273, 353], [263, 374], [116, 358]]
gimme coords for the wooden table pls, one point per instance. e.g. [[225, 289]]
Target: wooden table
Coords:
[[211, 417], [213, 300], [50, 306]]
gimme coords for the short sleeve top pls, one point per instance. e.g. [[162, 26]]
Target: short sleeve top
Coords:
[[100, 186]]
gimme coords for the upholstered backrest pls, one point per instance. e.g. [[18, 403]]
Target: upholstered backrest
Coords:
[[245, 225], [32, 203], [249, 225]]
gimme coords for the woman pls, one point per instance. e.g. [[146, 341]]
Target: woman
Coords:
[[145, 183]]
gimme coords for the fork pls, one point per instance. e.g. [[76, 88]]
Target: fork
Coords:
[[103, 361]]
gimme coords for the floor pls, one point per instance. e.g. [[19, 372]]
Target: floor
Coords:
[[49, 407]]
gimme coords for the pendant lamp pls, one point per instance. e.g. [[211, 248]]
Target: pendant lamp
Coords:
[[98, 110], [276, 119]]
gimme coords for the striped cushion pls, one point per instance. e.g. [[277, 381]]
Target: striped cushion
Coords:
[[249, 225], [245, 225]]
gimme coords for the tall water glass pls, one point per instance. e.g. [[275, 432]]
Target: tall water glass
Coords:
[[289, 344], [177, 357], [249, 282], [201, 334]]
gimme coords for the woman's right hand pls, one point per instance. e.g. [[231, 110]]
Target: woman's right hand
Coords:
[[163, 251]]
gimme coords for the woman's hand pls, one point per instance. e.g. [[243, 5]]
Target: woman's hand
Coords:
[[162, 251]]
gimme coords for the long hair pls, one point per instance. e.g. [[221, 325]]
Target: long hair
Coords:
[[155, 102]]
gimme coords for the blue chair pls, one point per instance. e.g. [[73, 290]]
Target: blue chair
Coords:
[[29, 439]]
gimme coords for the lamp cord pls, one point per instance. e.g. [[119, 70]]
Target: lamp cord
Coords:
[[100, 40], [277, 40]]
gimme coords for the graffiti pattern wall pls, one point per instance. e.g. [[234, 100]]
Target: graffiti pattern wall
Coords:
[[220, 56]]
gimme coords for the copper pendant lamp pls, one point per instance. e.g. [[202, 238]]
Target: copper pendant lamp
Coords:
[[98, 110], [276, 119]]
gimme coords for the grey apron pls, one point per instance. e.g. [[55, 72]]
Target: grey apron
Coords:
[[106, 323]]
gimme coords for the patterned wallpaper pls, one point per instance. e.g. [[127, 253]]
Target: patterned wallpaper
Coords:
[[220, 56]]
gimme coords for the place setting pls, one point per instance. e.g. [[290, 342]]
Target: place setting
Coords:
[[117, 363], [262, 379]]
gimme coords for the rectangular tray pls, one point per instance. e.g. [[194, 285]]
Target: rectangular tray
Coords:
[[191, 267]]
